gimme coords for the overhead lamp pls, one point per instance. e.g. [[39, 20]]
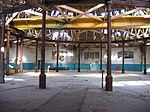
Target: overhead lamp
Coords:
[[148, 43], [15, 42], [2, 49], [116, 45], [5, 40]]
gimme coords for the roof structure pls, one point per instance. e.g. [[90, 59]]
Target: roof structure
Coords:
[[83, 21]]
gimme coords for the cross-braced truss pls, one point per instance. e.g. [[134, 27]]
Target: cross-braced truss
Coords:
[[85, 23]]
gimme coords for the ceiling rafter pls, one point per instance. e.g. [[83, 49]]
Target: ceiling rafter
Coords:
[[40, 14], [86, 13], [11, 18], [126, 13], [62, 13]]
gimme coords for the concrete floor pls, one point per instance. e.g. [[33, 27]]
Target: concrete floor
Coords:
[[70, 91]]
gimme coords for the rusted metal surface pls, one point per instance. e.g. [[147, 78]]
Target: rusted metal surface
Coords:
[[102, 71], [109, 77], [145, 72], [21, 56], [123, 57], [36, 57], [101, 55], [42, 77], [16, 61], [7, 52], [57, 55], [79, 57], [2, 53]]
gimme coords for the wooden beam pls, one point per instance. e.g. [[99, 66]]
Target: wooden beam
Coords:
[[40, 14], [95, 8], [125, 22], [11, 18], [62, 13], [71, 9], [83, 13], [126, 13]]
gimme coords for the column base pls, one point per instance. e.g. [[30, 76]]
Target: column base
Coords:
[[7, 73], [78, 69], [123, 71], [16, 70], [21, 71], [145, 72], [42, 81], [36, 69], [1, 78], [109, 80]]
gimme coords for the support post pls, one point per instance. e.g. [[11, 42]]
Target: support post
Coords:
[[109, 77], [21, 56], [36, 56], [123, 57], [16, 61], [57, 55], [102, 78], [42, 77], [7, 52], [145, 57], [2, 52], [79, 57], [101, 55]]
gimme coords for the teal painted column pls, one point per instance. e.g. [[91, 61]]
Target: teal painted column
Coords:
[[2, 52]]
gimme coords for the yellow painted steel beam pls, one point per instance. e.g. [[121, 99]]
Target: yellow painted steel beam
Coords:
[[84, 23]]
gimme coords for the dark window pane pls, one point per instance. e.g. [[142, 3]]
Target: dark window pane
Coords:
[[92, 55], [96, 54], [127, 54]]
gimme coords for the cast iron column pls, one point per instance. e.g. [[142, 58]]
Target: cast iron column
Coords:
[[79, 57], [57, 55], [2, 53], [42, 77], [7, 52], [123, 56], [109, 77], [21, 56], [101, 56], [145, 57], [36, 56], [16, 61]]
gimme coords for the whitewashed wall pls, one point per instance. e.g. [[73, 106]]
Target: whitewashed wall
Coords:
[[136, 56], [29, 55], [148, 54]]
